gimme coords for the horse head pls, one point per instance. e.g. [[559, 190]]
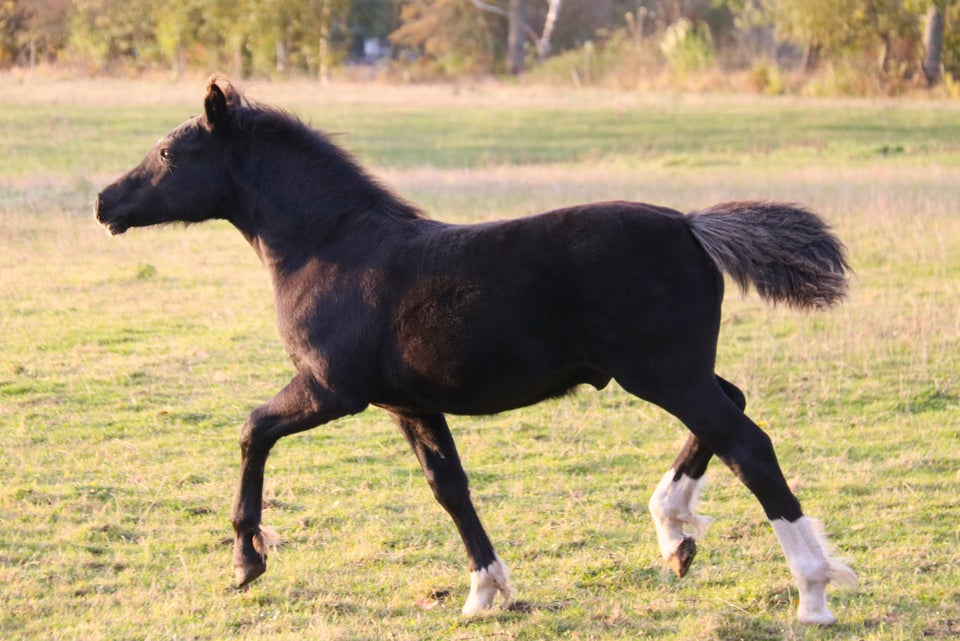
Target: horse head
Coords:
[[184, 178]]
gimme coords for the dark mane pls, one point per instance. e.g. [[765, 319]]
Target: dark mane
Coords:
[[267, 122]]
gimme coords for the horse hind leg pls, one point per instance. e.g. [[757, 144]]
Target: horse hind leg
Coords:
[[673, 507], [808, 556], [673, 503], [716, 419]]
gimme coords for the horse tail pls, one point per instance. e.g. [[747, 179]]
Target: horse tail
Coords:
[[787, 252]]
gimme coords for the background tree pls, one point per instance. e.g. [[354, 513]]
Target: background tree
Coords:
[[516, 36], [452, 34], [940, 45], [869, 27], [33, 30], [890, 43], [45, 29], [178, 27], [933, 44], [113, 31], [12, 24]]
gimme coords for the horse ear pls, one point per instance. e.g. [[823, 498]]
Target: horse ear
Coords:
[[215, 106]]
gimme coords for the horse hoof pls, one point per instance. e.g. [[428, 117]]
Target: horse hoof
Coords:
[[680, 560], [822, 616], [249, 557], [247, 574]]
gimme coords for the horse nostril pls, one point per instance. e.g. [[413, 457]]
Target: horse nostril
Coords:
[[98, 207]]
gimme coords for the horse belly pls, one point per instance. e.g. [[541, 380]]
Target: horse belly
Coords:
[[493, 391]]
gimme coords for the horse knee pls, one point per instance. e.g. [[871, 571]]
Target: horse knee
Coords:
[[247, 434], [253, 433]]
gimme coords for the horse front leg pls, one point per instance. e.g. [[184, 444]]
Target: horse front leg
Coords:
[[433, 444], [299, 406]]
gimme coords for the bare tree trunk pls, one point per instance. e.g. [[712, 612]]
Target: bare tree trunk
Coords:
[[179, 59], [281, 56], [325, 43], [883, 58], [515, 38], [543, 44], [932, 45], [239, 67], [811, 56]]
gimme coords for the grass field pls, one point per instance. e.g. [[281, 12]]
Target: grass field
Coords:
[[127, 366]]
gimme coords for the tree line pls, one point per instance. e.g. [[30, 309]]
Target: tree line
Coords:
[[896, 41]]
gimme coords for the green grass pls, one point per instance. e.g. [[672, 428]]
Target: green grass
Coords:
[[128, 364]]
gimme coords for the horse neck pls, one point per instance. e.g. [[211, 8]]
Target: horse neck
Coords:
[[295, 207]]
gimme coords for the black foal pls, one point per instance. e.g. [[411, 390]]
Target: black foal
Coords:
[[378, 305]]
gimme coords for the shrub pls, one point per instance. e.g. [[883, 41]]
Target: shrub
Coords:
[[688, 47]]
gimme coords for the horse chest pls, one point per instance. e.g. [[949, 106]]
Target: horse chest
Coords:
[[325, 325]]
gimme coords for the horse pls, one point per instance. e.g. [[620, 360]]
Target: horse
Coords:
[[378, 304]]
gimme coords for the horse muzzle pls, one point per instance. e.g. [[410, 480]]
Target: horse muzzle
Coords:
[[110, 220]]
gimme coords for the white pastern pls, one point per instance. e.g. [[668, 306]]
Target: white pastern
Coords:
[[673, 506], [485, 584], [808, 556]]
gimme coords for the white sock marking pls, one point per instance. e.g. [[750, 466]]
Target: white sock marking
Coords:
[[485, 584], [807, 555], [672, 506]]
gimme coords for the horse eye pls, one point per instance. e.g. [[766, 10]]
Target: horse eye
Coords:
[[166, 154]]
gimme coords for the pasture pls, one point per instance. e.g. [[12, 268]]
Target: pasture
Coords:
[[127, 366]]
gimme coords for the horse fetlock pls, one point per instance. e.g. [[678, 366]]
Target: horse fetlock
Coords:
[[485, 585], [807, 553], [813, 604], [813, 607]]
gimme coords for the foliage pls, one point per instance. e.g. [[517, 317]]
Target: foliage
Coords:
[[876, 47], [453, 35], [865, 23], [766, 78], [32, 29], [11, 26], [688, 47], [105, 31]]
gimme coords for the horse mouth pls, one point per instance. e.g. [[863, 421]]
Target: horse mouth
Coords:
[[114, 228], [114, 225]]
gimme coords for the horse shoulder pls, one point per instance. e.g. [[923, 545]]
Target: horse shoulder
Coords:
[[328, 320]]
